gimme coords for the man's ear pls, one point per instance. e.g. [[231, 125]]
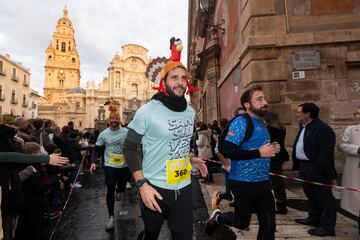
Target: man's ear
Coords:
[[247, 105]]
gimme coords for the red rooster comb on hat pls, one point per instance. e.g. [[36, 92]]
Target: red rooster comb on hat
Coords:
[[173, 62]]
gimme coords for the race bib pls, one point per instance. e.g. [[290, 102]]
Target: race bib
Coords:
[[117, 159], [178, 170]]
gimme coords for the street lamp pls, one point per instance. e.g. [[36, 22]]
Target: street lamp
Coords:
[[204, 5]]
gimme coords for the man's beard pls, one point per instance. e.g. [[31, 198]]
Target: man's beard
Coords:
[[172, 94], [258, 111], [114, 124]]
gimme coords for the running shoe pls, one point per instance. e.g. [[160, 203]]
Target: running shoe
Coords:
[[75, 185], [212, 223], [110, 224], [215, 201]]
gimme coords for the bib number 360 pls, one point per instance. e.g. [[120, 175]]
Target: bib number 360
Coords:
[[178, 170]]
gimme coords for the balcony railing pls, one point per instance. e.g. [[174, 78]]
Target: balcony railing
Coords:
[[14, 101], [26, 83], [25, 104], [15, 78]]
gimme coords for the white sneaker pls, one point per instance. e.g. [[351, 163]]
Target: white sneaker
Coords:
[[110, 224], [76, 185]]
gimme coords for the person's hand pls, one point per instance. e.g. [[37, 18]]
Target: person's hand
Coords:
[[276, 146], [200, 164], [65, 178], [227, 168], [57, 160], [267, 150], [216, 137], [148, 196], [92, 168]]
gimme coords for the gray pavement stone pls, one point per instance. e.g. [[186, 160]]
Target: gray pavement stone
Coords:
[[287, 228]]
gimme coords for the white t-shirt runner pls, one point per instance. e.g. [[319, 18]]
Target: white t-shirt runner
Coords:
[[114, 143], [166, 144]]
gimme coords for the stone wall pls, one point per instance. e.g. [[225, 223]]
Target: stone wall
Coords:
[[260, 40]]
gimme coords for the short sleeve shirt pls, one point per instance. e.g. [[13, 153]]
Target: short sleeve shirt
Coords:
[[113, 142], [251, 170], [166, 136]]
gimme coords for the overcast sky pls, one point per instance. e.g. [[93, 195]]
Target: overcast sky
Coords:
[[101, 28]]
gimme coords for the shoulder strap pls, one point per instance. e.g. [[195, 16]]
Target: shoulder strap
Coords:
[[249, 127]]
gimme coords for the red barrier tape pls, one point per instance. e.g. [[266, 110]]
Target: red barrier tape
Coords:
[[67, 200], [305, 181]]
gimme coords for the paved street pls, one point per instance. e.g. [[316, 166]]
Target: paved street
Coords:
[[86, 214], [346, 228]]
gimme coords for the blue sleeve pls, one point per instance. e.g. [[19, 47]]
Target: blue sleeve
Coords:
[[237, 130]]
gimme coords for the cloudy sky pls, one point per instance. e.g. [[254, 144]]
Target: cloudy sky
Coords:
[[101, 28]]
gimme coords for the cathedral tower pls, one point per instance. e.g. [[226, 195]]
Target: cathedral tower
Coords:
[[62, 64]]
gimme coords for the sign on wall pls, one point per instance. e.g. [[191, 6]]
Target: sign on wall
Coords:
[[306, 60], [237, 77]]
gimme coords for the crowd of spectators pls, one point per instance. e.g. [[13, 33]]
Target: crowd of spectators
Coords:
[[39, 164]]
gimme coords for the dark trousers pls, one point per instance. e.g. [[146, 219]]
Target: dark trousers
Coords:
[[227, 182], [176, 207], [277, 183], [322, 204], [252, 197]]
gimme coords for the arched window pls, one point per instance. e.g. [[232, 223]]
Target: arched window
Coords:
[[63, 47], [50, 58], [134, 89], [73, 60]]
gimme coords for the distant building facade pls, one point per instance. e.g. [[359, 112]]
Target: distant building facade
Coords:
[[64, 99], [299, 51], [14, 87], [35, 98]]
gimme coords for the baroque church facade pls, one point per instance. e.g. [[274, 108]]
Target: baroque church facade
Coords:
[[64, 100]]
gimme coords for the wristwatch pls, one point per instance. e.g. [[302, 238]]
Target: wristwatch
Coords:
[[140, 183]]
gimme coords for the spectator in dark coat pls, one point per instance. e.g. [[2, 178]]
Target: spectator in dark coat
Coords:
[[35, 136], [34, 188], [73, 152], [313, 155], [22, 124], [277, 133]]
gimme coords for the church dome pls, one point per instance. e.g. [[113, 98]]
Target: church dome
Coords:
[[65, 20], [77, 90]]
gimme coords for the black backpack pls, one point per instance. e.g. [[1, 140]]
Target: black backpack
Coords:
[[248, 134]]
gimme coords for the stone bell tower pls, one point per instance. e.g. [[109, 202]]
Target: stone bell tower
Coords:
[[62, 64]]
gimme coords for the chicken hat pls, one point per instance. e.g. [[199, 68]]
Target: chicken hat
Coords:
[[174, 62], [114, 114]]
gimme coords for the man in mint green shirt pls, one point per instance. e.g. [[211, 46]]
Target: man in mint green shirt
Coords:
[[116, 170], [164, 126]]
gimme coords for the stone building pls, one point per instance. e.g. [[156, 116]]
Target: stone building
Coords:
[[64, 99], [125, 84], [299, 50], [35, 98], [14, 87]]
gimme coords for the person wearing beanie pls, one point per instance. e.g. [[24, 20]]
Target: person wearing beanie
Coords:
[[165, 126], [116, 170]]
